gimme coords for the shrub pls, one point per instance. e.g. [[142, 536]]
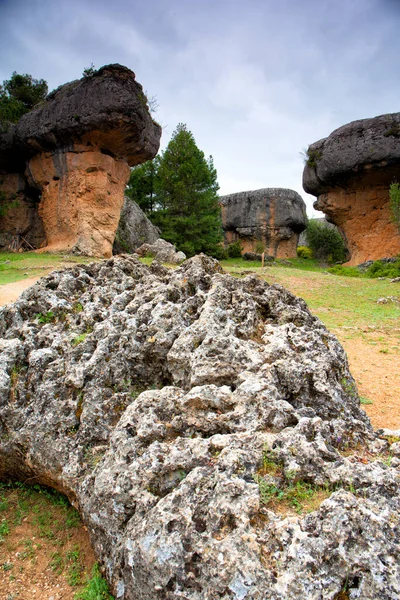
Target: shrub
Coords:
[[304, 252], [325, 241], [312, 156], [384, 269], [394, 193], [234, 250], [345, 271]]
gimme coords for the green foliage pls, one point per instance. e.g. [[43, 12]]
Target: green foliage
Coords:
[[234, 250], [364, 400], [89, 71], [95, 589], [260, 248], [394, 193], [325, 242], [141, 185], [312, 156], [20, 94], [7, 202], [381, 269], [304, 252], [179, 193], [345, 271], [48, 317]]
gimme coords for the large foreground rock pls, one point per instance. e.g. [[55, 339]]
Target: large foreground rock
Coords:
[[169, 405], [350, 173], [267, 220], [73, 153]]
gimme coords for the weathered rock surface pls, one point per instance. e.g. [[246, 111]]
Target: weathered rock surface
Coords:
[[163, 251], [350, 173], [269, 219], [77, 147], [150, 396], [134, 229]]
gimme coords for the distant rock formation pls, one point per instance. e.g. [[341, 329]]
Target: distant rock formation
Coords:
[[350, 173], [163, 251], [188, 415], [67, 162], [269, 220], [134, 229]]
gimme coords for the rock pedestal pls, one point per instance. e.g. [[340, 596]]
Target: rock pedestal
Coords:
[[74, 152], [350, 172], [267, 220]]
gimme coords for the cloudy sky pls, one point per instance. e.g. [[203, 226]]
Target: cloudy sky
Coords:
[[256, 81]]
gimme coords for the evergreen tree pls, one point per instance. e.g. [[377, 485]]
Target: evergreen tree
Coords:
[[19, 95], [141, 185], [187, 209]]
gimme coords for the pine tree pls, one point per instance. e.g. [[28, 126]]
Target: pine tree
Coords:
[[18, 95], [187, 209], [141, 185]]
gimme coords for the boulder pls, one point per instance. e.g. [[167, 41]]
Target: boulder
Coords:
[[350, 173], [77, 147], [163, 251], [186, 413], [267, 220], [134, 229]]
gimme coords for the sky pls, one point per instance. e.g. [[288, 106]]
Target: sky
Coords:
[[255, 81]]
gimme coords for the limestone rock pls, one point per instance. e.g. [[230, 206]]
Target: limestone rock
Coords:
[[77, 147], [168, 404], [134, 229], [163, 251], [269, 219], [350, 173]]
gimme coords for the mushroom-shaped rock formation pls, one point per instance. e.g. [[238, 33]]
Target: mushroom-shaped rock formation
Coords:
[[77, 148], [188, 415], [267, 220], [350, 172]]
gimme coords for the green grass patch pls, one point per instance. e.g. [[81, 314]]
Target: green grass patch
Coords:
[[96, 588], [21, 265]]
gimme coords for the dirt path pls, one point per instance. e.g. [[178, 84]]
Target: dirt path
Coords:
[[9, 292]]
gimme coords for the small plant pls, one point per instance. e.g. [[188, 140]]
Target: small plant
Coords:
[[349, 387], [234, 250], [96, 588], [79, 339], [89, 71], [394, 193], [75, 568], [48, 317], [312, 156], [364, 400], [260, 248], [304, 252], [77, 307]]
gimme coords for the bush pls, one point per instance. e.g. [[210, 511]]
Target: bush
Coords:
[[234, 250], [219, 252], [325, 241], [394, 193], [345, 271], [304, 252], [384, 269]]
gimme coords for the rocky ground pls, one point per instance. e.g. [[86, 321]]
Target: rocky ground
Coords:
[[182, 411]]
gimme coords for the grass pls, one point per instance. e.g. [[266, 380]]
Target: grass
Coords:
[[16, 266], [37, 521]]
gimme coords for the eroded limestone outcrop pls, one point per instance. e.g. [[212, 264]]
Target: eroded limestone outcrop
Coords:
[[75, 150], [134, 229], [350, 173], [169, 404], [267, 220]]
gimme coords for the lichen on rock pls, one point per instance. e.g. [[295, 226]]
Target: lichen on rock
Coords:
[[165, 403]]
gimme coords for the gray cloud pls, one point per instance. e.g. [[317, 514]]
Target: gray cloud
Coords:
[[255, 81]]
